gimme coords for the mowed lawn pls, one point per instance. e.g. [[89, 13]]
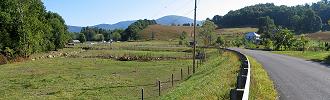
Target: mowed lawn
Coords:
[[76, 78]]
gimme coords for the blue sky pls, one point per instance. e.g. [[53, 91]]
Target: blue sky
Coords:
[[92, 12]]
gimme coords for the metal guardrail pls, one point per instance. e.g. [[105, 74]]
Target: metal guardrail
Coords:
[[241, 92]]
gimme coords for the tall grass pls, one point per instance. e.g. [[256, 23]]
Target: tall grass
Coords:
[[262, 87], [212, 81]]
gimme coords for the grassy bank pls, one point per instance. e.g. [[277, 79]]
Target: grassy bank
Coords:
[[262, 87], [308, 55], [213, 80]]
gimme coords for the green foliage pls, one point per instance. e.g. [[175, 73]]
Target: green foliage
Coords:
[[99, 37], [183, 38], [207, 33], [95, 34], [9, 52], [266, 27], [82, 38], [268, 44], [301, 19], [26, 27], [116, 36], [220, 41], [283, 39], [131, 33]]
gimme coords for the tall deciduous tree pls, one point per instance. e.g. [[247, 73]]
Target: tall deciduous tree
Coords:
[[207, 33]]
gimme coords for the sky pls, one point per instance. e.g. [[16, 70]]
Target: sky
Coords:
[[93, 12]]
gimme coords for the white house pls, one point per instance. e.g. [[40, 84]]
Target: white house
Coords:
[[252, 36]]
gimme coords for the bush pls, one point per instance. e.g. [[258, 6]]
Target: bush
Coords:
[[9, 52], [3, 59]]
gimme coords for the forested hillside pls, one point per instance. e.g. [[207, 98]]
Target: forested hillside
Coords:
[[26, 27], [301, 18]]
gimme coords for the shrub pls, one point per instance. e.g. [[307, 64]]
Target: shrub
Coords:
[[3, 59], [9, 52]]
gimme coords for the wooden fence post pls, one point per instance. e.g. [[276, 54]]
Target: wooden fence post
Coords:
[[158, 88], [142, 94], [172, 80], [181, 74]]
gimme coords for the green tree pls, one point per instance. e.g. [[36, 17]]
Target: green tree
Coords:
[[283, 39], [183, 38], [266, 27], [116, 36], [82, 38], [268, 43], [207, 33], [131, 33], [220, 41]]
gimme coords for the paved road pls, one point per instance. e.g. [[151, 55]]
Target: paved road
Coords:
[[295, 79]]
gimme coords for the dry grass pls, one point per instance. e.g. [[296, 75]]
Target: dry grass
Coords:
[[324, 36], [173, 32], [165, 32]]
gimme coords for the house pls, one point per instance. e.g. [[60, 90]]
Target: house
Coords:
[[75, 41], [252, 36]]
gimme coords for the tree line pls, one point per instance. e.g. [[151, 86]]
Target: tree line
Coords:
[[99, 34], [26, 27], [300, 19]]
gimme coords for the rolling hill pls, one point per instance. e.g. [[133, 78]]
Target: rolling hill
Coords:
[[166, 20]]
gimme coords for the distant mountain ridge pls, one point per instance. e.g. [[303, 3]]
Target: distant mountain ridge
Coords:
[[166, 20]]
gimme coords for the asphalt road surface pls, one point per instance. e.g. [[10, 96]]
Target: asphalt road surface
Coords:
[[294, 78]]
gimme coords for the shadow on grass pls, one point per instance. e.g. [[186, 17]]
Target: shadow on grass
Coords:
[[322, 62]]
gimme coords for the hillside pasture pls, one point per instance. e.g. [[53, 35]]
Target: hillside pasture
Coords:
[[323, 36], [165, 32]]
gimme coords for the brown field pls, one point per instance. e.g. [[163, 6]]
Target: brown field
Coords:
[[165, 32], [324, 36], [173, 32]]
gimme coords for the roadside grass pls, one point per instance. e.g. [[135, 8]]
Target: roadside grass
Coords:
[[81, 78], [317, 56], [262, 87], [212, 81]]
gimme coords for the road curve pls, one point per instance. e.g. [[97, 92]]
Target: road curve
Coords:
[[294, 78]]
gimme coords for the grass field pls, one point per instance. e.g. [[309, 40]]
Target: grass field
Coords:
[[213, 81], [262, 87], [81, 76], [308, 55]]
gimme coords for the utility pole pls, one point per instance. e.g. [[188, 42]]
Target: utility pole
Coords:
[[194, 52]]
